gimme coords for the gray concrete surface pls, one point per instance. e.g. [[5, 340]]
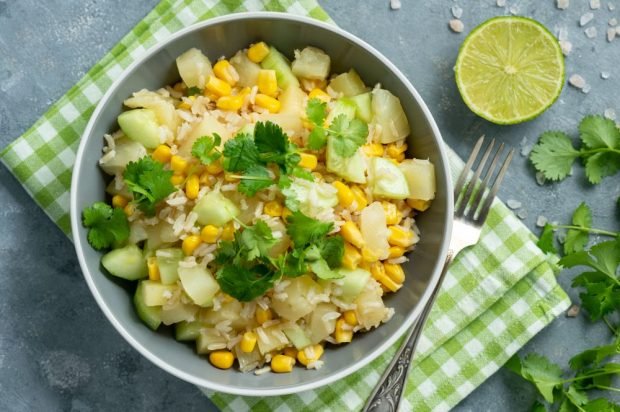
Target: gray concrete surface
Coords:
[[58, 353]]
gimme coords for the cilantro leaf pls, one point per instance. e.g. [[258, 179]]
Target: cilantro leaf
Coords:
[[193, 91], [245, 284], [576, 239], [545, 242], [348, 135], [240, 153], [599, 132], [148, 182], [270, 138], [256, 241], [305, 230], [575, 396], [601, 296], [546, 376], [601, 405], [205, 148], [256, 178], [107, 227], [321, 269], [603, 257], [554, 155], [317, 139], [332, 250], [601, 165], [594, 356], [538, 407], [316, 111]]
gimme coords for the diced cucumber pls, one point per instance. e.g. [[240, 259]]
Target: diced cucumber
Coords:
[[387, 180], [246, 68], [127, 262], [140, 125], [187, 331], [349, 84], [150, 315], [420, 175], [199, 284], [296, 335], [276, 61], [194, 68], [311, 63], [353, 282], [206, 337], [126, 150], [168, 263], [177, 313], [162, 107], [389, 114], [215, 209], [351, 168], [156, 294], [341, 106], [363, 106]]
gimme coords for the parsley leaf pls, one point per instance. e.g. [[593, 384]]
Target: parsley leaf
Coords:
[[107, 227], [554, 155], [348, 135], [240, 153], [544, 374], [148, 182], [577, 239], [205, 149]]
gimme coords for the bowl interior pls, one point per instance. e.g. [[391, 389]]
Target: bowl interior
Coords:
[[223, 38]]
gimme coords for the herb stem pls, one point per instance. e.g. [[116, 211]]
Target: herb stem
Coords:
[[250, 177], [588, 230], [609, 388], [599, 150], [610, 326], [587, 376]]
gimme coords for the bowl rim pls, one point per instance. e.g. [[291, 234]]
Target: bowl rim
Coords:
[[213, 385]]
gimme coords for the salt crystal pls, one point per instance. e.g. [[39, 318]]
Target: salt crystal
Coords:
[[590, 32], [457, 12], [604, 75], [562, 33], [456, 25], [577, 81], [566, 47], [502, 3], [611, 6], [523, 141], [610, 114], [573, 311], [618, 31], [395, 4], [541, 221], [525, 150], [513, 204], [522, 214], [586, 18], [613, 22], [586, 89], [561, 4], [561, 236], [540, 178], [611, 33], [514, 10], [595, 4]]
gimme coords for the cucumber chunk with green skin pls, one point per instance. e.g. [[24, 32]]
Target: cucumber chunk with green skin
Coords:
[[141, 125], [179, 312], [352, 169], [349, 84], [353, 282], [363, 106], [187, 331], [127, 262], [387, 180], [276, 61], [296, 335], [156, 294], [150, 315], [215, 209], [199, 285], [168, 263]]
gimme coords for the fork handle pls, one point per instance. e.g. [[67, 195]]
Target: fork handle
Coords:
[[389, 390]]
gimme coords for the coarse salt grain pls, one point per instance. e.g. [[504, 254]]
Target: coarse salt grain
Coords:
[[513, 204], [573, 311], [522, 214], [591, 32], [502, 3], [457, 12], [610, 114], [586, 89], [585, 18], [613, 22], [540, 178], [562, 33], [562, 4], [577, 81], [611, 33], [595, 4], [541, 221], [514, 10], [611, 6], [395, 4], [604, 75], [456, 25], [566, 47]]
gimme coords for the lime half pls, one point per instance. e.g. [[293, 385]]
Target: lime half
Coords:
[[510, 69]]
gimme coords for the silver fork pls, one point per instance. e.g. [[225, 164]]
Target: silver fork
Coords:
[[471, 208]]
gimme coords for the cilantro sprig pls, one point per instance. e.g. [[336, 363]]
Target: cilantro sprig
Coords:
[[206, 150], [554, 153], [148, 182], [347, 134], [107, 226]]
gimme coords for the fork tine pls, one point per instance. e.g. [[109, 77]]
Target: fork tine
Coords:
[[485, 183], [458, 187], [472, 183], [498, 181]]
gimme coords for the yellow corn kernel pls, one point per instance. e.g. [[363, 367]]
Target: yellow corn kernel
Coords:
[[290, 351], [343, 332], [282, 363], [263, 315], [286, 212], [273, 208], [392, 214], [400, 237], [130, 209], [351, 233], [258, 51], [151, 263], [218, 87], [225, 71], [178, 164], [222, 359], [360, 197], [350, 317], [267, 82], [248, 342], [351, 257], [378, 273], [396, 151], [373, 149], [162, 153], [369, 256], [308, 161], [210, 233], [119, 201], [244, 92], [228, 232], [418, 204], [204, 178], [211, 96], [395, 252], [192, 186], [345, 195], [316, 352], [177, 179], [190, 244], [395, 272], [317, 93], [267, 102], [230, 103], [184, 105], [215, 168]]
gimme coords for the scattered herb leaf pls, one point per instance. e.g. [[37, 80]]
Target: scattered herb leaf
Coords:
[[206, 150], [148, 182], [107, 226]]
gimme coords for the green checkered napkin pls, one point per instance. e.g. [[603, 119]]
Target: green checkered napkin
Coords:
[[497, 295]]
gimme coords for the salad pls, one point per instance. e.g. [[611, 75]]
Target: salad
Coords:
[[263, 208]]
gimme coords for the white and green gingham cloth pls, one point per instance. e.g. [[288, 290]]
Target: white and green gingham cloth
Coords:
[[496, 296]]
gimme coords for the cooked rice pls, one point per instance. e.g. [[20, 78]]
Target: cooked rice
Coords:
[[262, 371]]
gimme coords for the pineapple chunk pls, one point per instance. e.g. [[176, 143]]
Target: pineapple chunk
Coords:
[[321, 328], [370, 310], [296, 305]]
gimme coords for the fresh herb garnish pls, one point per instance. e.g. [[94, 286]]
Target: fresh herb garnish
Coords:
[[107, 226], [206, 150], [191, 91], [148, 182]]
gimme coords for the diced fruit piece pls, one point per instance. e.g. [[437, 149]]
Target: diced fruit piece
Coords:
[[352, 169], [341, 106], [127, 263], [386, 179], [296, 335], [177, 313], [246, 68], [420, 175], [141, 125], [206, 337], [363, 106], [151, 316], [228, 311], [156, 294], [276, 61], [163, 108], [247, 361], [126, 150], [158, 235], [320, 328], [349, 84], [168, 262], [311, 63], [292, 100], [215, 209], [370, 309], [207, 127], [276, 339], [353, 282], [187, 331], [296, 305], [199, 284], [194, 68], [374, 230], [389, 115]]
